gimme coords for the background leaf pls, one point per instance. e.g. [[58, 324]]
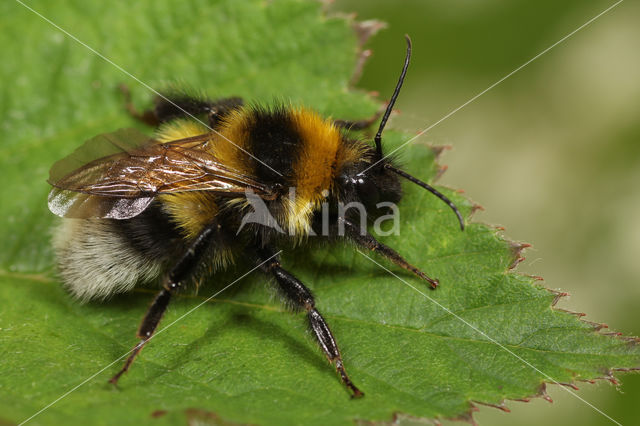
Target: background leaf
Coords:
[[551, 153], [242, 356]]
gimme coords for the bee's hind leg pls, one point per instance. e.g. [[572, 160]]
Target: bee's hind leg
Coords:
[[180, 272], [300, 297], [147, 117], [169, 106]]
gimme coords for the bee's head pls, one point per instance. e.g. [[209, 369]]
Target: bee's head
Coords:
[[376, 179], [371, 185]]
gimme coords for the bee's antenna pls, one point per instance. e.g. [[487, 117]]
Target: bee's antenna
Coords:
[[430, 189], [396, 92]]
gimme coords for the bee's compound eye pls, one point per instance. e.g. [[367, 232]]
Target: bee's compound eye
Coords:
[[367, 191]]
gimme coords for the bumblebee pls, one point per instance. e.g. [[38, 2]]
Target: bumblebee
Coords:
[[140, 209]]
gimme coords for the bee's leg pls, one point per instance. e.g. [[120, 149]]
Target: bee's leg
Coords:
[[301, 298], [147, 117], [363, 239], [180, 272], [181, 105], [359, 124], [147, 327], [176, 105]]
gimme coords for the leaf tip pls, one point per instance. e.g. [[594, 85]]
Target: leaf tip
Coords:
[[364, 30], [569, 385], [501, 406], [438, 150]]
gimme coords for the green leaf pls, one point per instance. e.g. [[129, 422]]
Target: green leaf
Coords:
[[242, 357]]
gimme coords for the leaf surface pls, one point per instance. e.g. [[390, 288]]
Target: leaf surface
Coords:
[[241, 357]]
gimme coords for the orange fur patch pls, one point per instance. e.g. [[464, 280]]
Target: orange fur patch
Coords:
[[179, 129], [192, 211], [322, 156], [314, 168]]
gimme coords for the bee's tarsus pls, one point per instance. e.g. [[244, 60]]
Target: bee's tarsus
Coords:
[[130, 358], [368, 241], [355, 392]]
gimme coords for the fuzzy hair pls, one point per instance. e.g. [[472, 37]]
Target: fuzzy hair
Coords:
[[96, 263]]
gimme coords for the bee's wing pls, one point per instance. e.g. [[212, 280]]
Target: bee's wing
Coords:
[[117, 175]]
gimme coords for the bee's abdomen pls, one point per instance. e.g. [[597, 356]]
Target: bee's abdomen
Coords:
[[153, 233], [101, 257]]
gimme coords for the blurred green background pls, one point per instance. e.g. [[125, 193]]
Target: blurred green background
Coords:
[[552, 153]]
